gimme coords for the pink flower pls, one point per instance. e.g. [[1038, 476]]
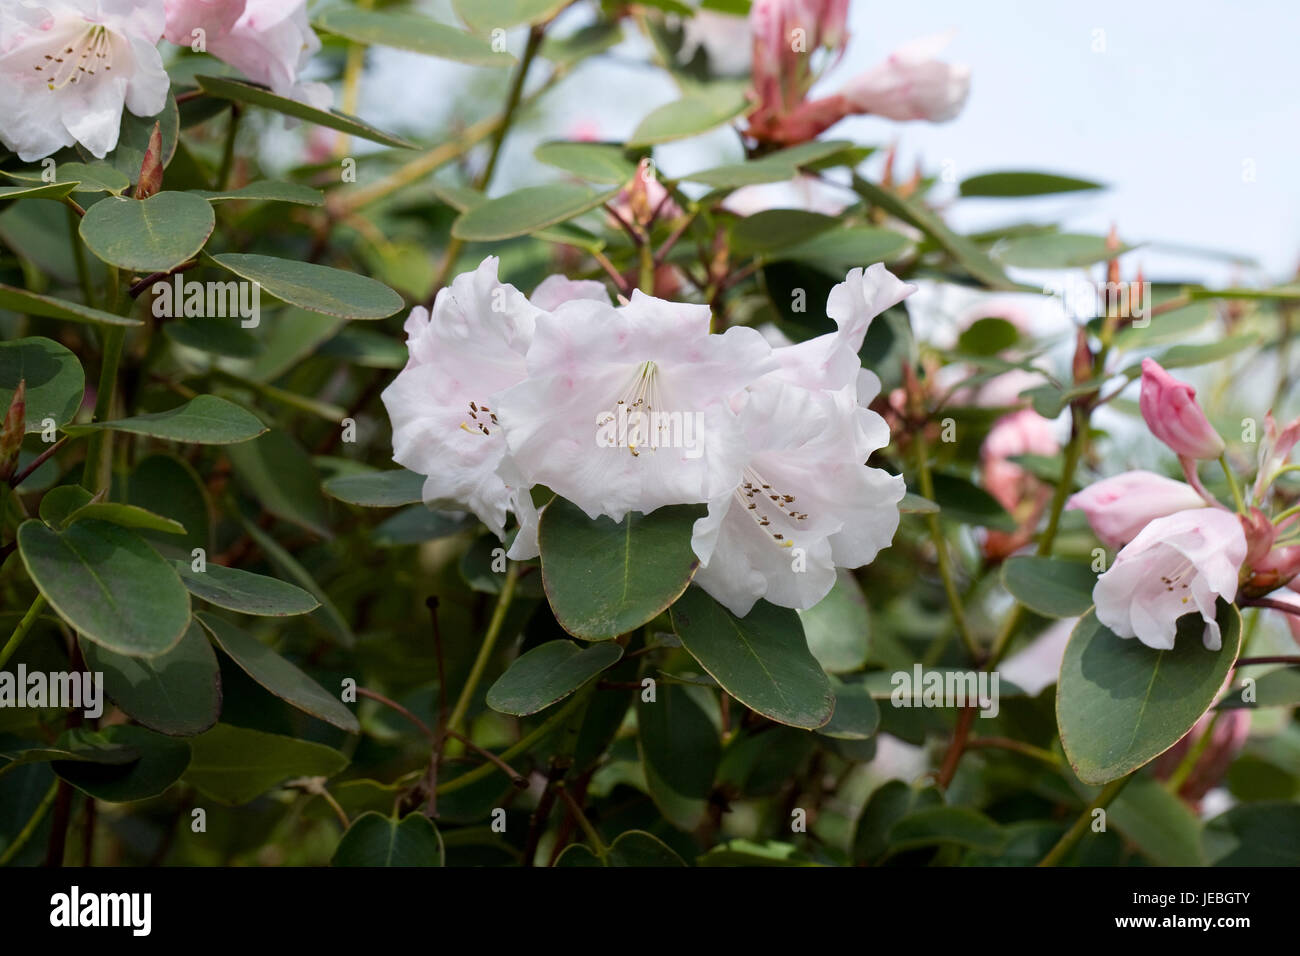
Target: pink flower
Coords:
[[644, 199], [553, 290], [1177, 564], [1121, 506], [912, 84], [1277, 568], [1174, 416], [1227, 738], [1274, 451], [268, 41], [785, 35], [1021, 433]]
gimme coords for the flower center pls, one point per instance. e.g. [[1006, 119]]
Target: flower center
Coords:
[[91, 51], [639, 397], [482, 417], [762, 503], [1175, 579]]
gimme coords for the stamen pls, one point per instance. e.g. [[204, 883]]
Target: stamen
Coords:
[[748, 494]]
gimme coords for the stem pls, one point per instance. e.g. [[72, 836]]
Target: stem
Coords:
[[485, 651], [1015, 746], [228, 153], [1232, 483], [1075, 833], [1279, 659], [387, 702], [30, 826], [20, 632], [597, 843], [79, 256], [1073, 451], [352, 70], [18, 477], [522, 746], [1192, 757], [1293, 510], [941, 550]]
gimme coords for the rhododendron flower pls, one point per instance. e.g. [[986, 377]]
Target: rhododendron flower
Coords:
[[627, 409], [69, 68], [553, 290], [806, 502], [1177, 564], [1274, 451], [1119, 507], [912, 84], [1024, 432], [269, 41], [1171, 411], [443, 404]]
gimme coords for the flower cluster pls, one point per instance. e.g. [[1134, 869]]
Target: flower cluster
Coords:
[[71, 66], [1180, 548], [635, 406], [911, 84]]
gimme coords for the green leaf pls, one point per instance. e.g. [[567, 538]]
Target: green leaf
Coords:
[[778, 167], [638, 848], [327, 614], [838, 627], [409, 31], [203, 420], [605, 578], [378, 489], [932, 826], [1120, 704], [483, 15], [856, 717], [1255, 834], [1014, 184], [107, 584], [149, 235], [698, 112], [377, 840], [774, 229], [279, 473], [278, 675], [229, 89], [988, 336], [762, 659], [162, 761], [315, 288], [55, 381], [176, 693], [680, 751], [1057, 250], [594, 162], [913, 211], [172, 488], [914, 504], [963, 502], [58, 504], [233, 765], [55, 190], [215, 335], [244, 591], [527, 210], [267, 191], [30, 303], [547, 674], [125, 516], [1159, 823], [1049, 586], [839, 250]]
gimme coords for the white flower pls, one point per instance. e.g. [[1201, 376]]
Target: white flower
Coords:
[[269, 41], [443, 404], [69, 67], [626, 409], [806, 503], [1177, 564]]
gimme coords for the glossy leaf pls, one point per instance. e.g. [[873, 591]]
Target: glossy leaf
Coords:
[[54, 380], [547, 674], [233, 765], [377, 840], [148, 235], [527, 210], [1052, 587], [244, 591], [314, 287], [205, 420]]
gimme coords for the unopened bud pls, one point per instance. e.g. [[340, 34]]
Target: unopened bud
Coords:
[[11, 436]]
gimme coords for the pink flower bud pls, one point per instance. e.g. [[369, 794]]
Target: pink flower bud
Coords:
[[912, 84], [1118, 508], [1173, 415]]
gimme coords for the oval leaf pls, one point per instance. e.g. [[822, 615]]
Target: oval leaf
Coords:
[[605, 578], [1049, 586], [409, 31], [377, 840], [162, 761], [107, 584], [244, 591], [234, 765], [762, 659], [204, 420], [55, 381], [378, 489], [526, 210], [547, 674], [315, 288], [148, 235], [1120, 704]]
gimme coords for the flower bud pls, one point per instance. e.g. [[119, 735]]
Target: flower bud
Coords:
[[1173, 415], [1119, 507], [11, 435]]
